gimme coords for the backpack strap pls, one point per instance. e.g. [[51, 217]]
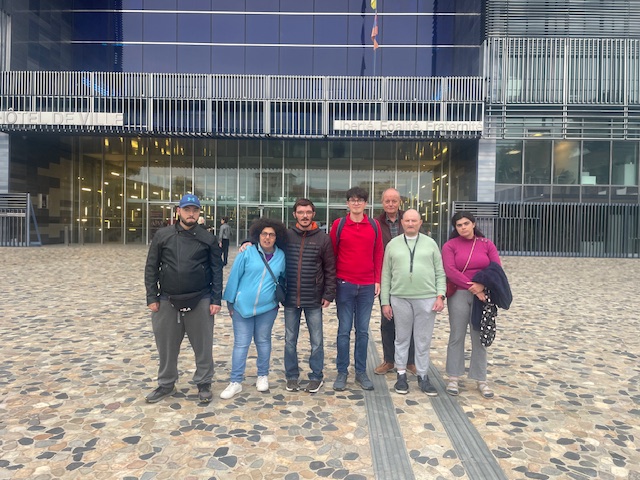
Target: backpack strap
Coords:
[[343, 220]]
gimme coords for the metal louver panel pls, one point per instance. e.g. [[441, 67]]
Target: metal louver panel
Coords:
[[569, 18]]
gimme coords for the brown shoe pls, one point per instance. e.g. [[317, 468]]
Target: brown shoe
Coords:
[[383, 368], [412, 369]]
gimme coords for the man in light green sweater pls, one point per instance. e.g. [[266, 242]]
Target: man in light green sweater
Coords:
[[412, 292]]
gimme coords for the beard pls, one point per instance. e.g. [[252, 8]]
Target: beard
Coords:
[[189, 222]]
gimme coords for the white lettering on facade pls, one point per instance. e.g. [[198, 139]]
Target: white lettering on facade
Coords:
[[390, 126], [11, 117]]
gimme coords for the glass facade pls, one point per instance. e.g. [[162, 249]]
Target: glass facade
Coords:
[[272, 37], [588, 171], [125, 188]]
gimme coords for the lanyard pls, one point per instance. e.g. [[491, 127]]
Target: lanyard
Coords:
[[411, 253]]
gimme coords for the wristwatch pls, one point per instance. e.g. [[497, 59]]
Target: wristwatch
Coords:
[[442, 297]]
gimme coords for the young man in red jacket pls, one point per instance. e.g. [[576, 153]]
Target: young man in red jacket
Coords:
[[359, 253]]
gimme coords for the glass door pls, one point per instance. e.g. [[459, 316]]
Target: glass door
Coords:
[[160, 215]]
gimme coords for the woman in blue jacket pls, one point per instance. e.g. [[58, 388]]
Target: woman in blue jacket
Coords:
[[251, 299]]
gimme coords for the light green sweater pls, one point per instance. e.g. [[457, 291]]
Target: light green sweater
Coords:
[[428, 279]]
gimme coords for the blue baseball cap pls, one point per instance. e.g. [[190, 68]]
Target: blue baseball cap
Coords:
[[189, 200]]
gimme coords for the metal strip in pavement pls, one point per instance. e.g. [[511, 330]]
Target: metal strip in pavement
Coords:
[[388, 448], [476, 457]]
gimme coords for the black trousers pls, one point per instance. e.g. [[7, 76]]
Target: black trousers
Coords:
[[388, 333], [225, 250]]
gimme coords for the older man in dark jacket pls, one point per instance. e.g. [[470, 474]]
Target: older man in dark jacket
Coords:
[[311, 286]]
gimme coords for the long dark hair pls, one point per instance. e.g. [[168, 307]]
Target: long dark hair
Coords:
[[459, 216], [260, 224]]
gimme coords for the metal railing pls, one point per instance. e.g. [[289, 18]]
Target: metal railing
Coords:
[[563, 87], [18, 221], [240, 105], [561, 229]]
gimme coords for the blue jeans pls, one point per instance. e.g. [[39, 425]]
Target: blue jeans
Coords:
[[259, 329], [313, 316], [353, 302]]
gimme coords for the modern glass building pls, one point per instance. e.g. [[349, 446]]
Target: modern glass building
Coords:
[[112, 110]]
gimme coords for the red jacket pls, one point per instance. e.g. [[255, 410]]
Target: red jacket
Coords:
[[359, 254]]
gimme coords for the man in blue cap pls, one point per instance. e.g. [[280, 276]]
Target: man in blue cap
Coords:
[[183, 279]]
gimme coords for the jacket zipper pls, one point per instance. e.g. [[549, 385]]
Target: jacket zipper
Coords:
[[298, 294]]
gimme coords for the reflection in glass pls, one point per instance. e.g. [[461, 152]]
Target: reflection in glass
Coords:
[[317, 174], [508, 193], [181, 168], [249, 171], [89, 216], [361, 156], [272, 170], [339, 166], [159, 172], [204, 185], [113, 189], [509, 161], [537, 161], [625, 163], [384, 164], [294, 164], [566, 163], [595, 194], [227, 171], [595, 163]]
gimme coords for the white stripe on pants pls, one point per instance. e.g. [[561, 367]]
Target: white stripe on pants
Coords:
[[413, 315], [460, 305]]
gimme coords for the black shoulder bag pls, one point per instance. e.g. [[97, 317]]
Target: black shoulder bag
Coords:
[[281, 291]]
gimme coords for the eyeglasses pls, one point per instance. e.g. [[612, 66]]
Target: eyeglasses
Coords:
[[268, 235], [356, 200]]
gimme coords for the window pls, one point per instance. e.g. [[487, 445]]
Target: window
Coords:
[[509, 162], [537, 162], [595, 163]]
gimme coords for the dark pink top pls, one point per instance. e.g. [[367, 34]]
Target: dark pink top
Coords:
[[455, 253]]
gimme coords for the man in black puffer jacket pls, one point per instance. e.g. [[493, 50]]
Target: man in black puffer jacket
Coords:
[[311, 286], [183, 279]]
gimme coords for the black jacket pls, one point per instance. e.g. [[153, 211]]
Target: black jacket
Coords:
[[311, 268], [495, 280], [384, 226], [183, 261]]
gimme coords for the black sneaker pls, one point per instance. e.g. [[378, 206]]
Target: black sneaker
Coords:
[[314, 385], [401, 385], [293, 385], [204, 392], [159, 393], [426, 387]]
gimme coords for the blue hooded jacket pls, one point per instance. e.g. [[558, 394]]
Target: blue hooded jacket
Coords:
[[250, 287]]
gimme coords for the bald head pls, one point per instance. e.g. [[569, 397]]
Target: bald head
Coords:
[[411, 222]]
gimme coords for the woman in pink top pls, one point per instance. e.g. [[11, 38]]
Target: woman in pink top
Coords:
[[465, 253]]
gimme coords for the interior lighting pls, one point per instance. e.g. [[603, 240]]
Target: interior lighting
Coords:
[[86, 189], [115, 174], [513, 152]]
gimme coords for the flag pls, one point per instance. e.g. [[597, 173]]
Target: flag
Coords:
[[374, 30], [374, 4]]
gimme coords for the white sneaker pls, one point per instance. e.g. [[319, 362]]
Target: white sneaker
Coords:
[[231, 391], [263, 383]]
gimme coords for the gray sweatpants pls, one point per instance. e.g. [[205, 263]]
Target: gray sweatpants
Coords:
[[169, 327], [460, 305], [413, 316]]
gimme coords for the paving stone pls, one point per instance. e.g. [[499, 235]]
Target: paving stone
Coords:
[[79, 357]]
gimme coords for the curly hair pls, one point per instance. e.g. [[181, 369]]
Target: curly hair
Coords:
[[259, 224]]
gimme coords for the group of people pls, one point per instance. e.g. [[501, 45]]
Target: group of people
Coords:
[[360, 259]]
